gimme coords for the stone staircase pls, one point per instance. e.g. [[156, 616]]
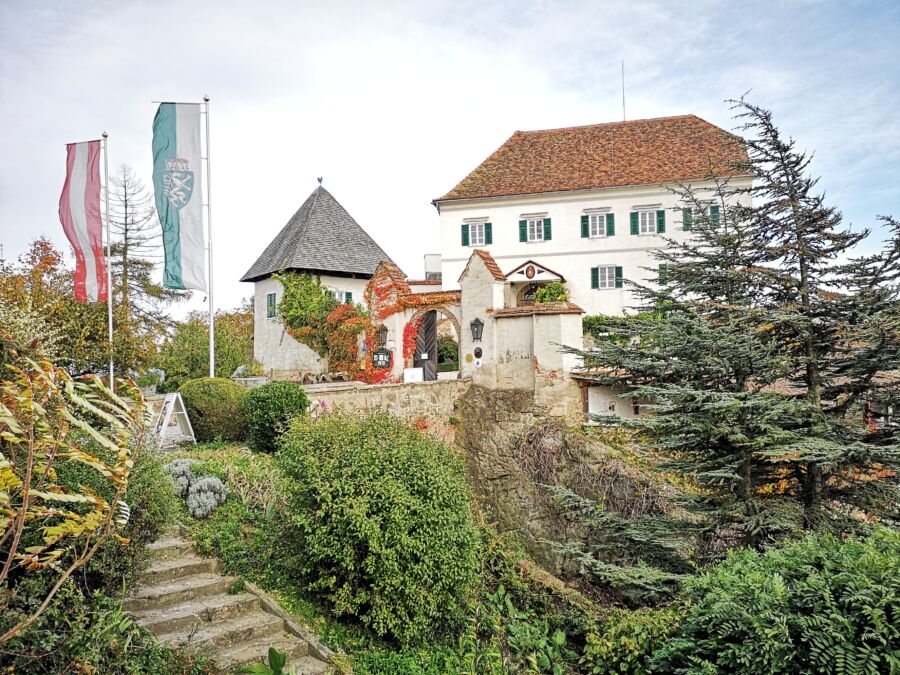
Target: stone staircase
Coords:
[[185, 602]]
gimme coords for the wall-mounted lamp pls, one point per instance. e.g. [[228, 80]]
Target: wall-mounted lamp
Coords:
[[477, 326]]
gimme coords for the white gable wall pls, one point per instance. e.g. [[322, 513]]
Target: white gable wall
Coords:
[[567, 253]]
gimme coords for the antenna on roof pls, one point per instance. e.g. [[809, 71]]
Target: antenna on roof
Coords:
[[623, 90]]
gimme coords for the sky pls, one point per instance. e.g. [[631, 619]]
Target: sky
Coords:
[[394, 102]]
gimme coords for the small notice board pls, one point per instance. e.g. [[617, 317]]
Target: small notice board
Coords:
[[172, 408]]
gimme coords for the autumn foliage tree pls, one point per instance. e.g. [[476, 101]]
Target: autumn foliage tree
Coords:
[[39, 283]]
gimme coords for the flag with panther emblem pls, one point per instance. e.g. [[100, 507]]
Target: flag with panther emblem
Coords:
[[178, 190]]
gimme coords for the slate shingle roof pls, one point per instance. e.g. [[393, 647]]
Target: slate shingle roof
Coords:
[[321, 237], [637, 152]]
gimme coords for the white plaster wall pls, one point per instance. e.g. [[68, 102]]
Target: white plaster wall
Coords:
[[567, 253], [601, 397], [480, 293], [272, 346], [514, 352]]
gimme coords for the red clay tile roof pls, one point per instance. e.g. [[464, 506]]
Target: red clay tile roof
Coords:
[[489, 262], [637, 152], [424, 282], [546, 308]]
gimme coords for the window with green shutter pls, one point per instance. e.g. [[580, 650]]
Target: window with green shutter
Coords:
[[605, 276], [465, 234], [488, 234], [270, 306], [523, 230], [610, 225], [585, 231], [618, 277], [714, 216], [687, 218], [536, 229], [661, 221], [548, 232], [635, 227], [595, 277], [348, 298], [599, 225]]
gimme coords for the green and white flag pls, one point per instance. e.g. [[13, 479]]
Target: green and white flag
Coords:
[[177, 185]]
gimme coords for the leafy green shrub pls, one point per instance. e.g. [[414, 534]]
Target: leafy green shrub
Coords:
[[555, 291], [268, 410], [382, 522], [818, 606], [215, 406], [628, 639]]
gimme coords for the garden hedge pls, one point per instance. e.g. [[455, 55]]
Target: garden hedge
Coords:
[[215, 406], [380, 523], [268, 409]]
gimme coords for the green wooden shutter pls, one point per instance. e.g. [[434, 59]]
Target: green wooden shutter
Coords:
[[270, 305], [687, 218], [663, 274], [585, 227], [610, 225], [523, 230], [348, 297], [488, 234], [714, 216], [661, 221], [635, 228], [548, 232], [618, 277], [465, 234], [595, 277]]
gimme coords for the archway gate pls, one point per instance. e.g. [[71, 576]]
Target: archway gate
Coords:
[[402, 314]]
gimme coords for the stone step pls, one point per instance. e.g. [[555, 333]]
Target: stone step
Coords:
[[257, 651], [176, 568], [189, 615], [170, 547], [177, 591], [213, 637]]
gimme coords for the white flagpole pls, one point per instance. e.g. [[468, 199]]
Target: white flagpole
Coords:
[[109, 286], [212, 316]]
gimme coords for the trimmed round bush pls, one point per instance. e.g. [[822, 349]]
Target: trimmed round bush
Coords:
[[380, 523], [818, 606], [205, 496], [269, 408], [215, 406]]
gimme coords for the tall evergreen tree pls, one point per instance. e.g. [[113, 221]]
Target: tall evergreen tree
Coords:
[[768, 344]]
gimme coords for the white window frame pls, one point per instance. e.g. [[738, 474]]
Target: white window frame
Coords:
[[606, 277], [651, 216], [598, 219], [479, 229], [535, 229]]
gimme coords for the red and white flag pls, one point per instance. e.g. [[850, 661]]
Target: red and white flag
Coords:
[[79, 213]]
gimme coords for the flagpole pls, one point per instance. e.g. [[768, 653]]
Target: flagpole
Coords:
[[109, 286], [212, 317]]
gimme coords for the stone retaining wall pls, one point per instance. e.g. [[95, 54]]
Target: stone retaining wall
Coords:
[[428, 406]]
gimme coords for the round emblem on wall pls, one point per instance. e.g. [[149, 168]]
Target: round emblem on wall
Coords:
[[468, 358], [529, 271], [478, 363]]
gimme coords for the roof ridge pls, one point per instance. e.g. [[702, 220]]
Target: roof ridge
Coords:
[[610, 124]]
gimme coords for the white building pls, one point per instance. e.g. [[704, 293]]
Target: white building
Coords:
[[320, 239], [585, 205]]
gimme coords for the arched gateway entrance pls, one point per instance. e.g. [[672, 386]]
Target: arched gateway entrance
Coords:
[[428, 326]]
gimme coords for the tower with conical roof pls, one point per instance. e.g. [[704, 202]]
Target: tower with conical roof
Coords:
[[322, 239]]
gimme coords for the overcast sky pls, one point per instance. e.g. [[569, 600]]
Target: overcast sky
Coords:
[[395, 102]]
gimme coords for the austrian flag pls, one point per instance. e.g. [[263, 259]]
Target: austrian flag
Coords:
[[79, 213]]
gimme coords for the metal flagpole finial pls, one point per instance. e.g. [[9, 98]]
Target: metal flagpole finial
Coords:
[[105, 135], [206, 98]]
